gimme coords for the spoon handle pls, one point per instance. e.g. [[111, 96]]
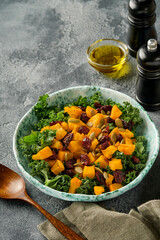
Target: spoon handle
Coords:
[[64, 229]]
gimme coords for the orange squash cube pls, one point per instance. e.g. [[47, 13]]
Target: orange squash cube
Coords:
[[57, 167], [89, 171], [96, 119], [45, 128], [94, 144], [115, 186], [74, 146], [50, 162], [103, 161], [108, 152], [128, 141], [98, 190], [97, 131], [62, 154], [74, 184], [92, 158], [72, 125], [109, 180], [56, 144], [73, 111], [43, 154], [64, 126], [90, 111], [115, 112], [115, 164], [126, 133], [127, 149]]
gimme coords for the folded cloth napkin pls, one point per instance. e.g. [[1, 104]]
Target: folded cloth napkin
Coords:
[[93, 222]]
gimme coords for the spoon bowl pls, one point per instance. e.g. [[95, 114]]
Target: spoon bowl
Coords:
[[12, 186]]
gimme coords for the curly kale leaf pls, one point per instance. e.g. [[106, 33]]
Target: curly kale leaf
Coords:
[[130, 176], [130, 113], [141, 149], [87, 186], [36, 141]]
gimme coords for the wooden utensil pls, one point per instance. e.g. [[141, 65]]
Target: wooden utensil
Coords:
[[12, 186]]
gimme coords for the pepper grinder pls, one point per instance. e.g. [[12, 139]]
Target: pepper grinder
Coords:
[[142, 18], [148, 83]]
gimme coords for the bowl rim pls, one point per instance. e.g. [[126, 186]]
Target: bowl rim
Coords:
[[85, 197], [113, 65]]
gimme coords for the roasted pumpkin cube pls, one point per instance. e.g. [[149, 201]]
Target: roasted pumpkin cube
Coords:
[[45, 128], [89, 171], [103, 161], [78, 136], [74, 184], [75, 146], [127, 149], [115, 186], [96, 120], [73, 111], [108, 152], [128, 141], [90, 111], [50, 162], [56, 144], [64, 126], [126, 133], [94, 144], [57, 167], [43, 154], [115, 164], [98, 190], [64, 155], [92, 158], [74, 123], [115, 112], [97, 131], [109, 180]]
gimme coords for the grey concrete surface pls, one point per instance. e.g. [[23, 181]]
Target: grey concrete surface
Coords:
[[43, 49]]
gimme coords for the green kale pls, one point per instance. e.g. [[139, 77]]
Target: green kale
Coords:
[[41, 108], [130, 176], [87, 186]]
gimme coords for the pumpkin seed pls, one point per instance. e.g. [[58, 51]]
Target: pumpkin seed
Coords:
[[93, 153], [103, 112], [122, 129], [123, 141], [100, 135], [101, 123], [98, 154], [97, 150], [98, 170], [119, 123], [78, 169], [113, 137], [92, 135], [84, 149], [89, 124], [103, 127], [105, 175], [92, 112], [66, 157], [73, 120], [108, 112], [77, 164]]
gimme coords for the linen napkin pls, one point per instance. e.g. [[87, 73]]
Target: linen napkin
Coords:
[[93, 222]]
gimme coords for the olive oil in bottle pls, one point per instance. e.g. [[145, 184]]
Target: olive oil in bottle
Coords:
[[107, 55]]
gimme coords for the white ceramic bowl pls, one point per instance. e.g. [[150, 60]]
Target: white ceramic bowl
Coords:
[[68, 95]]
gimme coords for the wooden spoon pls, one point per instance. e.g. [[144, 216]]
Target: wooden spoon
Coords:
[[12, 186]]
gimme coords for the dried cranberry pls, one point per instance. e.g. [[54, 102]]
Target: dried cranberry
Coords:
[[55, 122], [98, 110], [128, 125], [106, 108], [64, 148], [104, 145], [119, 137], [104, 138], [69, 163], [100, 178], [119, 176], [110, 120], [83, 129], [135, 160], [82, 108], [70, 172], [66, 140], [84, 159], [97, 105], [86, 143], [84, 117]]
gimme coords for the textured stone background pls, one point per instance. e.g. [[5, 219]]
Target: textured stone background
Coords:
[[43, 49]]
